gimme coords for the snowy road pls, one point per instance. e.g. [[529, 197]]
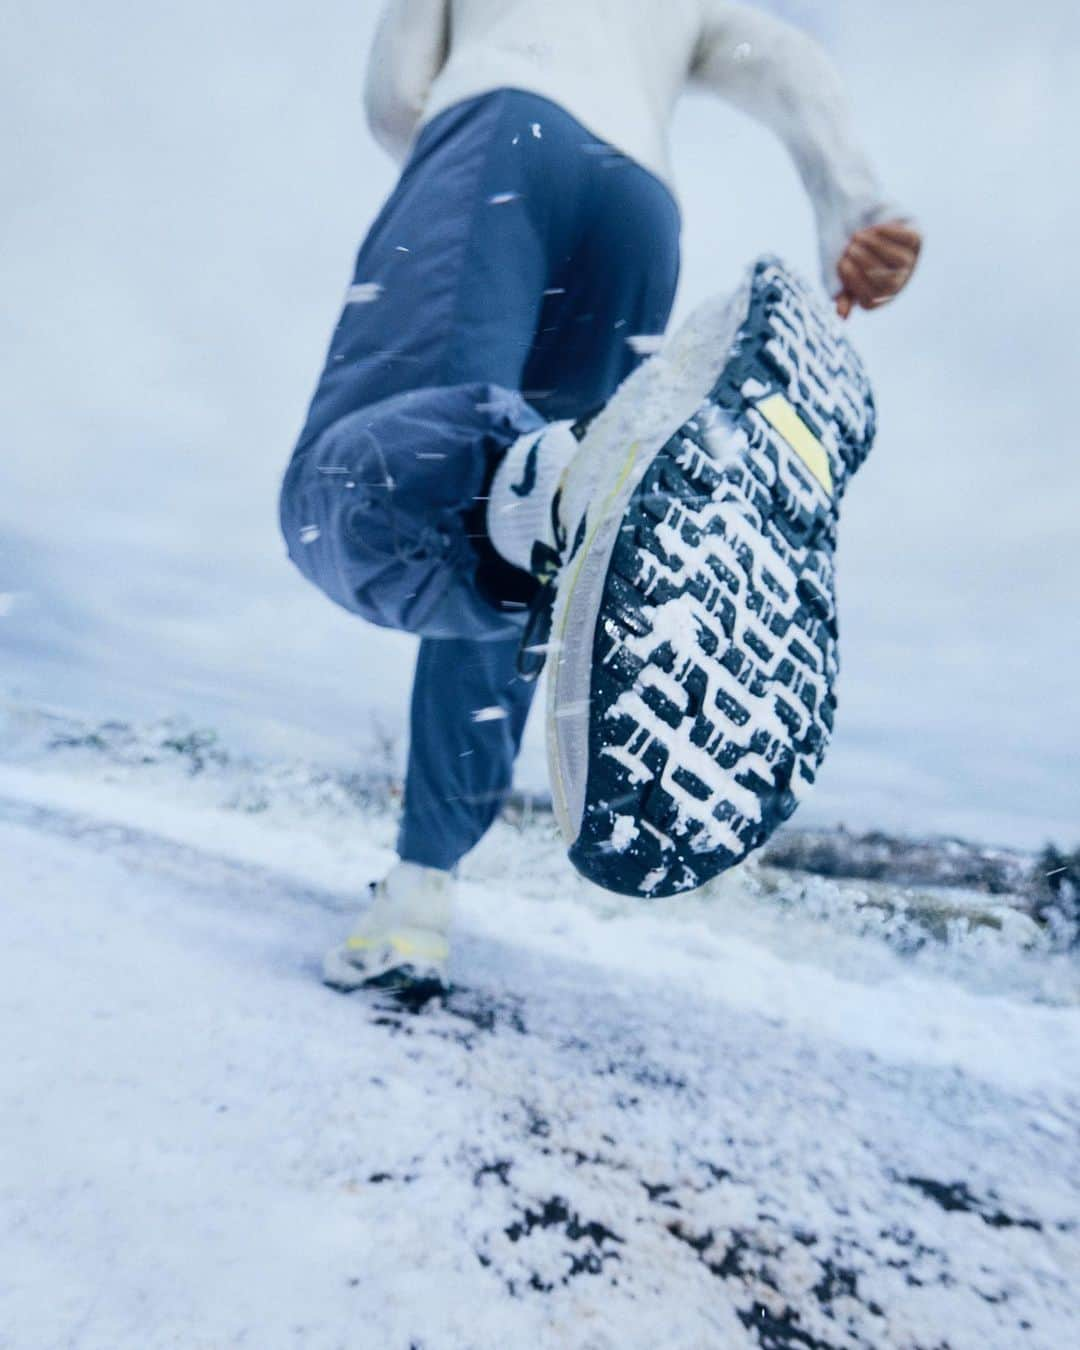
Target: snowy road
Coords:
[[628, 1129]]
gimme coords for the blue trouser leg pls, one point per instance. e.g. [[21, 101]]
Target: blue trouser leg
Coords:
[[460, 766], [496, 289]]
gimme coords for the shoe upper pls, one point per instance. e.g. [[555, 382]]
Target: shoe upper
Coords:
[[403, 937], [409, 897]]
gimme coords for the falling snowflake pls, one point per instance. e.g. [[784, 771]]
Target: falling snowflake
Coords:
[[363, 293], [492, 714], [551, 648]]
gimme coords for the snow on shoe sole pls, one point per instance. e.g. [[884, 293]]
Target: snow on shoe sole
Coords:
[[410, 959], [697, 717]]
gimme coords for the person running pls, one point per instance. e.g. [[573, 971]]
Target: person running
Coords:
[[463, 472]]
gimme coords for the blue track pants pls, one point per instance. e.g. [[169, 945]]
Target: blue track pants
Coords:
[[496, 290]]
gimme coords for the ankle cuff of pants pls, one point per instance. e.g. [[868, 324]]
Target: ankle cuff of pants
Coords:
[[426, 851]]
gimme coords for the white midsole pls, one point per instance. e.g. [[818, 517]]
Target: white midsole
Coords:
[[622, 442], [420, 951]]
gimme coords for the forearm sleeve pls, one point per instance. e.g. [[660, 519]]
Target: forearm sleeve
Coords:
[[784, 79], [410, 48]]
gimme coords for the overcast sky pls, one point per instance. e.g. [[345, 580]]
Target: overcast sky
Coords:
[[185, 192]]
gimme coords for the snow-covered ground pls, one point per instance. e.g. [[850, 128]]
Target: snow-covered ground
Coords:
[[770, 1115]]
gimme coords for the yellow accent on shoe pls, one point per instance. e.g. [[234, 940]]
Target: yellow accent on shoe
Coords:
[[435, 949], [784, 418]]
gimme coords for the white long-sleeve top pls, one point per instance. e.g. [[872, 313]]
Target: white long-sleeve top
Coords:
[[618, 67]]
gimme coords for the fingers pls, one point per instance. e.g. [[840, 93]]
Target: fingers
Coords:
[[863, 291], [845, 303], [888, 252], [856, 284], [877, 264], [897, 232], [894, 246], [876, 272]]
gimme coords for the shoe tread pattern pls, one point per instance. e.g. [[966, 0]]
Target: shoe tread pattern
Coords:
[[715, 653]]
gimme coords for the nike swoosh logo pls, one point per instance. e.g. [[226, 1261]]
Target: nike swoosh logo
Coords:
[[528, 481]]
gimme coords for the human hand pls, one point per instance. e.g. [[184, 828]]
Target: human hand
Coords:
[[876, 265]]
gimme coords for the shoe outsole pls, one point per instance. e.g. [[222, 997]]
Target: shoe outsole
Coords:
[[396, 981], [715, 647], [407, 980]]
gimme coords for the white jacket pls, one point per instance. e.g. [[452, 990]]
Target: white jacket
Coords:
[[619, 66]]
